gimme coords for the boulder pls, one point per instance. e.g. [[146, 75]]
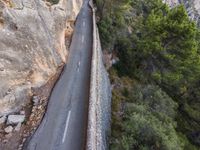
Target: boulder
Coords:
[[15, 119]]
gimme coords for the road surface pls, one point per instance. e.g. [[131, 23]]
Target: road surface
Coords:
[[65, 122]]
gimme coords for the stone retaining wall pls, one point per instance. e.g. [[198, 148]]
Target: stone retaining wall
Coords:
[[100, 97]]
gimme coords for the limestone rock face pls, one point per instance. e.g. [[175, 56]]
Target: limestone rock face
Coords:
[[33, 37]]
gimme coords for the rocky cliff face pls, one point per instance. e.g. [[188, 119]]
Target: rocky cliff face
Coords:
[[33, 39], [192, 6]]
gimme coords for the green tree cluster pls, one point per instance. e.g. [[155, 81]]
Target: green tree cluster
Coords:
[[161, 46], [144, 118], [112, 15], [165, 49]]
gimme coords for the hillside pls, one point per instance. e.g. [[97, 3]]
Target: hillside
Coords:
[[155, 103]]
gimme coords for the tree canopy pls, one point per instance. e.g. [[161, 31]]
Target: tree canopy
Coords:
[[160, 48]]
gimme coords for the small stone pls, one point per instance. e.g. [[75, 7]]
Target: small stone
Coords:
[[40, 108], [18, 127], [23, 140], [15, 119], [22, 112], [35, 100], [2, 119], [8, 129]]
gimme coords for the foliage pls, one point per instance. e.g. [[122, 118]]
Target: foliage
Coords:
[[112, 20], [148, 120], [155, 45], [53, 1]]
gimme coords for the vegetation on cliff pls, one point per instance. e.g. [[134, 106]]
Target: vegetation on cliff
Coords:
[[53, 1], [156, 97]]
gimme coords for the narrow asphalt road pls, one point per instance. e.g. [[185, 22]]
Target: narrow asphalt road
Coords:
[[65, 122]]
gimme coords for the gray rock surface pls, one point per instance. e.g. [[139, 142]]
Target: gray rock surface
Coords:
[[33, 39], [15, 119], [8, 129]]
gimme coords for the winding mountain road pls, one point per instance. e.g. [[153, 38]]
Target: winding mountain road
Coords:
[[65, 122]]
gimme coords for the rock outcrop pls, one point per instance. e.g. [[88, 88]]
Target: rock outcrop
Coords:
[[33, 39]]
